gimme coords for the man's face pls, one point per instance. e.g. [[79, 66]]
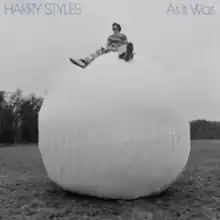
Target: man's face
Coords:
[[115, 29]]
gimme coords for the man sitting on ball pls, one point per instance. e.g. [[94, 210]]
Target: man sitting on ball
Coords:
[[117, 42]]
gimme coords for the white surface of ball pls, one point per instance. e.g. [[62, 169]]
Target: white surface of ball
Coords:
[[113, 129]]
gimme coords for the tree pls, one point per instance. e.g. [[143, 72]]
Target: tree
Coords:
[[15, 101], [203, 129], [6, 119], [19, 117], [29, 116]]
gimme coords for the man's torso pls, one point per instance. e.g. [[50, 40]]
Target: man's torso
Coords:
[[117, 40]]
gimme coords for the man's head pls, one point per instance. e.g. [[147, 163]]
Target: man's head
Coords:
[[116, 28]]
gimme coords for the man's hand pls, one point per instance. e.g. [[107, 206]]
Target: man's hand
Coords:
[[111, 48]]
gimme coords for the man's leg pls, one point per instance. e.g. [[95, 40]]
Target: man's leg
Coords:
[[122, 51], [84, 62], [93, 56], [126, 51]]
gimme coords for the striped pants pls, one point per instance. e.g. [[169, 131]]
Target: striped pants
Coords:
[[120, 50]]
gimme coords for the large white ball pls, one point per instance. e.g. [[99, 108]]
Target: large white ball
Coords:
[[113, 129]]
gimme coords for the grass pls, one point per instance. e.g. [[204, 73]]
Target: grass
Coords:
[[27, 193]]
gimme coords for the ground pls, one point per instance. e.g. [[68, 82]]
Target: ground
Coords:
[[27, 193]]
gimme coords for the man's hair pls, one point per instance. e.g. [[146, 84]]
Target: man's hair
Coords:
[[118, 25]]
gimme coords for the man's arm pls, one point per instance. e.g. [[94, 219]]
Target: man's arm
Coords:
[[109, 43]]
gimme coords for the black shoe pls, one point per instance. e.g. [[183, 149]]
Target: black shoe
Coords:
[[80, 62], [129, 53], [122, 56]]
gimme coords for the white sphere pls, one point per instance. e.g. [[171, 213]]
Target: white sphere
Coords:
[[113, 129]]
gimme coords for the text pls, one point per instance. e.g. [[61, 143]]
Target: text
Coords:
[[191, 9], [71, 8]]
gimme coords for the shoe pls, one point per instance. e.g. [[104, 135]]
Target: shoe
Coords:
[[80, 62], [122, 56], [129, 53]]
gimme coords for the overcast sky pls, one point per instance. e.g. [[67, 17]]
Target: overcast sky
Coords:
[[35, 47]]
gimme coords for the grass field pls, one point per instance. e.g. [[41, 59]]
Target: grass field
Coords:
[[27, 193]]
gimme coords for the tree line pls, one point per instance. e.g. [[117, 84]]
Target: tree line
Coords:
[[19, 120], [19, 117]]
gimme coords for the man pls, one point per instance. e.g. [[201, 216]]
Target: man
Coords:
[[117, 42]]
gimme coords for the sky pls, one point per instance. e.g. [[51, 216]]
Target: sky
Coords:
[[37, 43]]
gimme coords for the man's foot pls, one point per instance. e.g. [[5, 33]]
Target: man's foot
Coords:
[[129, 52], [80, 62]]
